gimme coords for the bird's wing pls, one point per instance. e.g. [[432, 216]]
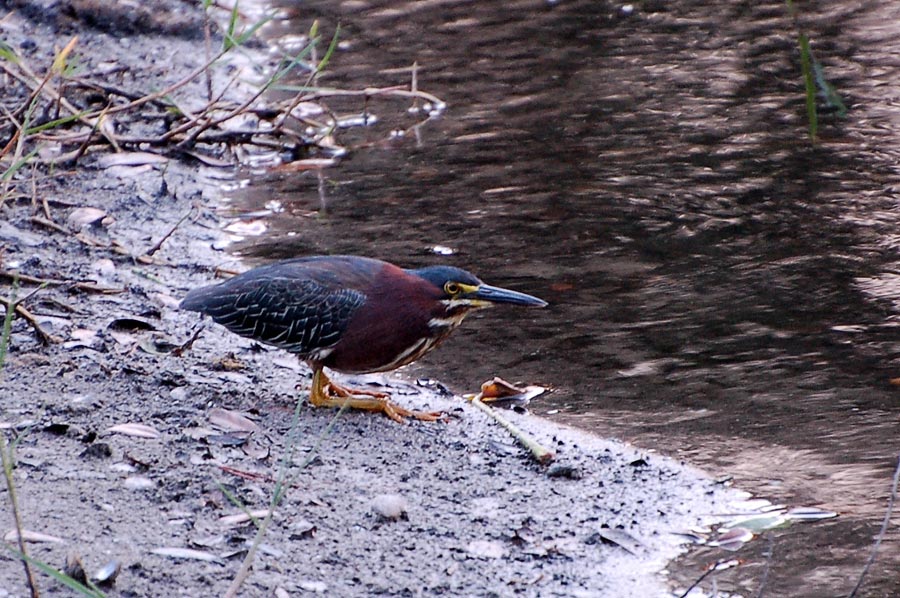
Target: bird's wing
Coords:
[[299, 315]]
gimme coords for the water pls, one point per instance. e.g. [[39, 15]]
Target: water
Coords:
[[722, 290]]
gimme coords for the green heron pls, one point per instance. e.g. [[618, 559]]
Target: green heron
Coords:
[[351, 314]]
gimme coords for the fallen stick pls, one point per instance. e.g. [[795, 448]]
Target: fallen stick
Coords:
[[542, 455], [158, 245], [45, 337], [81, 285]]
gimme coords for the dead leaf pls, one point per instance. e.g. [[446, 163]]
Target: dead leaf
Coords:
[[497, 388], [231, 421], [30, 536], [500, 393], [81, 217], [616, 537], [130, 324], [82, 337], [733, 539]]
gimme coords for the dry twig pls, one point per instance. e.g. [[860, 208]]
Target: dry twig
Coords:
[[158, 245], [81, 285], [44, 336]]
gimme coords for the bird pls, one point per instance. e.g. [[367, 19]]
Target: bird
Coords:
[[350, 314]]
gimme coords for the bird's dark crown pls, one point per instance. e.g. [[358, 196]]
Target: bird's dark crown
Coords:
[[441, 275]]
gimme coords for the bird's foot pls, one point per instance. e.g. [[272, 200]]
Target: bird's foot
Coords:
[[325, 393], [336, 390]]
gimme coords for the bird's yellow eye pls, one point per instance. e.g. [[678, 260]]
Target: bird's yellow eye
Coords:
[[451, 288]]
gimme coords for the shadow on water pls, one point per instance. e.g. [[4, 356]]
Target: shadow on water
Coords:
[[721, 289]]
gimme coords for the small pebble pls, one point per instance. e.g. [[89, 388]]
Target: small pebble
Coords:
[[137, 482], [390, 506], [318, 587], [486, 549]]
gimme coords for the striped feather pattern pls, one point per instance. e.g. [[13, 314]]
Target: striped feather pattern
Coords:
[[294, 312]]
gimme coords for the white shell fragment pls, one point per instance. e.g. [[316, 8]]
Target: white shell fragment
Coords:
[[136, 430], [242, 518], [107, 573]]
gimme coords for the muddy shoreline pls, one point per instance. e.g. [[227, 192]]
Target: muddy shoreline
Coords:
[[477, 516]]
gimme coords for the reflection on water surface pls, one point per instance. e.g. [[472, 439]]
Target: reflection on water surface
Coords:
[[721, 289]]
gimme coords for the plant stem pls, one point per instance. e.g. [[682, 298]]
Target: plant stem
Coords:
[[6, 458], [541, 454]]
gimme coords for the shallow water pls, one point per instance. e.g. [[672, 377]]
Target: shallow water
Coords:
[[722, 290]]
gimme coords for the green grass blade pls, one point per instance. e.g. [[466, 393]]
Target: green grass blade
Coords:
[[55, 123], [7, 321], [7, 53], [229, 42], [249, 32], [9, 172], [331, 48], [288, 67]]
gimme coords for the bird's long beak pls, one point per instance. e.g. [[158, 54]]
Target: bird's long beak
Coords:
[[489, 294]]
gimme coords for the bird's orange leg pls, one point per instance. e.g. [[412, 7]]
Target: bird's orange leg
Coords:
[[325, 393]]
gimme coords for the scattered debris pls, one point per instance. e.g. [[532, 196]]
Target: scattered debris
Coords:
[[187, 554]]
